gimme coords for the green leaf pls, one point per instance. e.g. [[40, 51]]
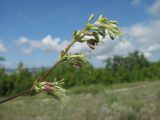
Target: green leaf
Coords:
[[102, 34], [111, 34]]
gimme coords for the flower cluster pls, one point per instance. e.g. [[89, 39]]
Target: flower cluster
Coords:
[[93, 33], [77, 59], [52, 88]]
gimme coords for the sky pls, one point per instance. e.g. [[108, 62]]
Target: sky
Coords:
[[34, 31]]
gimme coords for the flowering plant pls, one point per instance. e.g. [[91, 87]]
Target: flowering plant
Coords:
[[93, 34]]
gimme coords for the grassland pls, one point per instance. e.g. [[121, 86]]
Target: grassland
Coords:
[[134, 101]]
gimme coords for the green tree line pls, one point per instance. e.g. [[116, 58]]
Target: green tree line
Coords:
[[118, 69]]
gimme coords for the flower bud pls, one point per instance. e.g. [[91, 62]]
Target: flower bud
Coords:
[[52, 88], [48, 88]]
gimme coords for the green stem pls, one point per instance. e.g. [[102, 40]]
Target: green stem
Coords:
[[43, 78]]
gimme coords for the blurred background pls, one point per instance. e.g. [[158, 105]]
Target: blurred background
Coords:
[[121, 81]]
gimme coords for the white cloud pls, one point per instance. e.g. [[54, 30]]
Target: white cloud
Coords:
[[27, 50], [124, 48], [154, 9], [136, 2], [146, 34], [145, 37], [151, 49], [2, 47], [46, 44], [22, 41], [138, 30], [111, 48]]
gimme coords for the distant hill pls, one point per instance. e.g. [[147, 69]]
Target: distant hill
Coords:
[[13, 70], [10, 70]]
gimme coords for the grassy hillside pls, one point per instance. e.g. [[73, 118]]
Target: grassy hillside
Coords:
[[135, 101]]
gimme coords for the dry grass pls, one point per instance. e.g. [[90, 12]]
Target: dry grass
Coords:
[[133, 103]]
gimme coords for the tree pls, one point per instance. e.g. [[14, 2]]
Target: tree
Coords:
[[2, 58], [135, 60], [2, 69]]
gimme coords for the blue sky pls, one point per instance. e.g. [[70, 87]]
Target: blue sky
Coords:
[[34, 31]]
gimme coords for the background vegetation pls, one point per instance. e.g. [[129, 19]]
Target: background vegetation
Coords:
[[119, 69]]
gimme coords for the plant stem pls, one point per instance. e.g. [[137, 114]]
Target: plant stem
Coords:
[[17, 95], [57, 63], [68, 47], [43, 77]]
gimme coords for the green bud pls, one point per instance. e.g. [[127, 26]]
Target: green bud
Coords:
[[100, 17], [114, 22], [91, 17]]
